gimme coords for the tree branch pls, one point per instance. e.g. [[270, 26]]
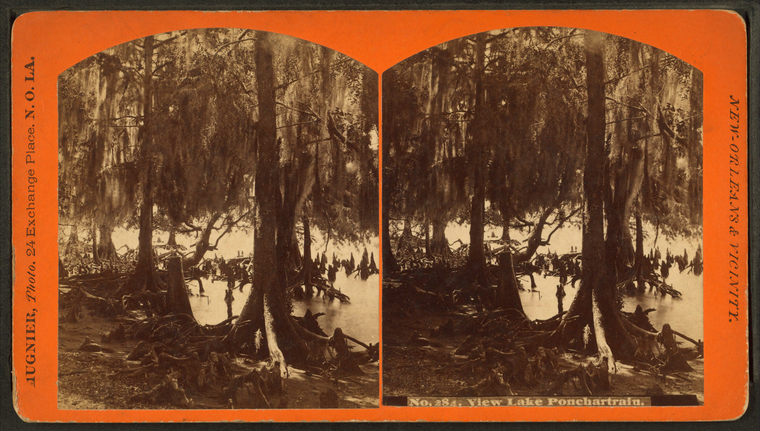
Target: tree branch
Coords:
[[572, 34], [564, 219], [230, 225], [625, 104], [299, 124], [287, 84], [631, 73], [164, 42], [312, 114], [626, 119], [233, 43]]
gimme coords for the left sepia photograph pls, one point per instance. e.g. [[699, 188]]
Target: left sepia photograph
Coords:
[[218, 226]]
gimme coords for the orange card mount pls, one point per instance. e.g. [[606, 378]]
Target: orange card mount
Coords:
[[165, 163]]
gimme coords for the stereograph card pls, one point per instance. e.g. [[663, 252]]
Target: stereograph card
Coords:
[[380, 215]]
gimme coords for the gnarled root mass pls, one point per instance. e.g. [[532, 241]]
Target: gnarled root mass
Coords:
[[212, 366], [501, 351], [200, 363], [185, 357]]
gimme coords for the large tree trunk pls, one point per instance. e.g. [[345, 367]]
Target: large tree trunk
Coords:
[[145, 277], [477, 259], [595, 303], [627, 177], [267, 307], [389, 263], [595, 278]]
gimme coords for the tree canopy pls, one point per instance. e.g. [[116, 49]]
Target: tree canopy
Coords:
[[196, 151], [528, 139]]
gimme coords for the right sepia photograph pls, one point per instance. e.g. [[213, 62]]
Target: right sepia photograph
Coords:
[[542, 220]]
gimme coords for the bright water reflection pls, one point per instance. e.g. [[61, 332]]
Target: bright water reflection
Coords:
[[684, 315], [359, 318]]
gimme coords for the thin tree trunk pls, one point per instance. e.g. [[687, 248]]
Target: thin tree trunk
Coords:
[[506, 238], [695, 148]]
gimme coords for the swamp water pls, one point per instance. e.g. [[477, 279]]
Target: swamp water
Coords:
[[684, 315], [359, 318]]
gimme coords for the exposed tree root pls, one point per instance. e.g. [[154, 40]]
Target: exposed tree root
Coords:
[[514, 352], [168, 391], [589, 379]]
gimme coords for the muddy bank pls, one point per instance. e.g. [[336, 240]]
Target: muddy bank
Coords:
[[105, 379], [419, 360]]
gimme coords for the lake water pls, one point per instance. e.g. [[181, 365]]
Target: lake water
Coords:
[[359, 319], [684, 315]]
